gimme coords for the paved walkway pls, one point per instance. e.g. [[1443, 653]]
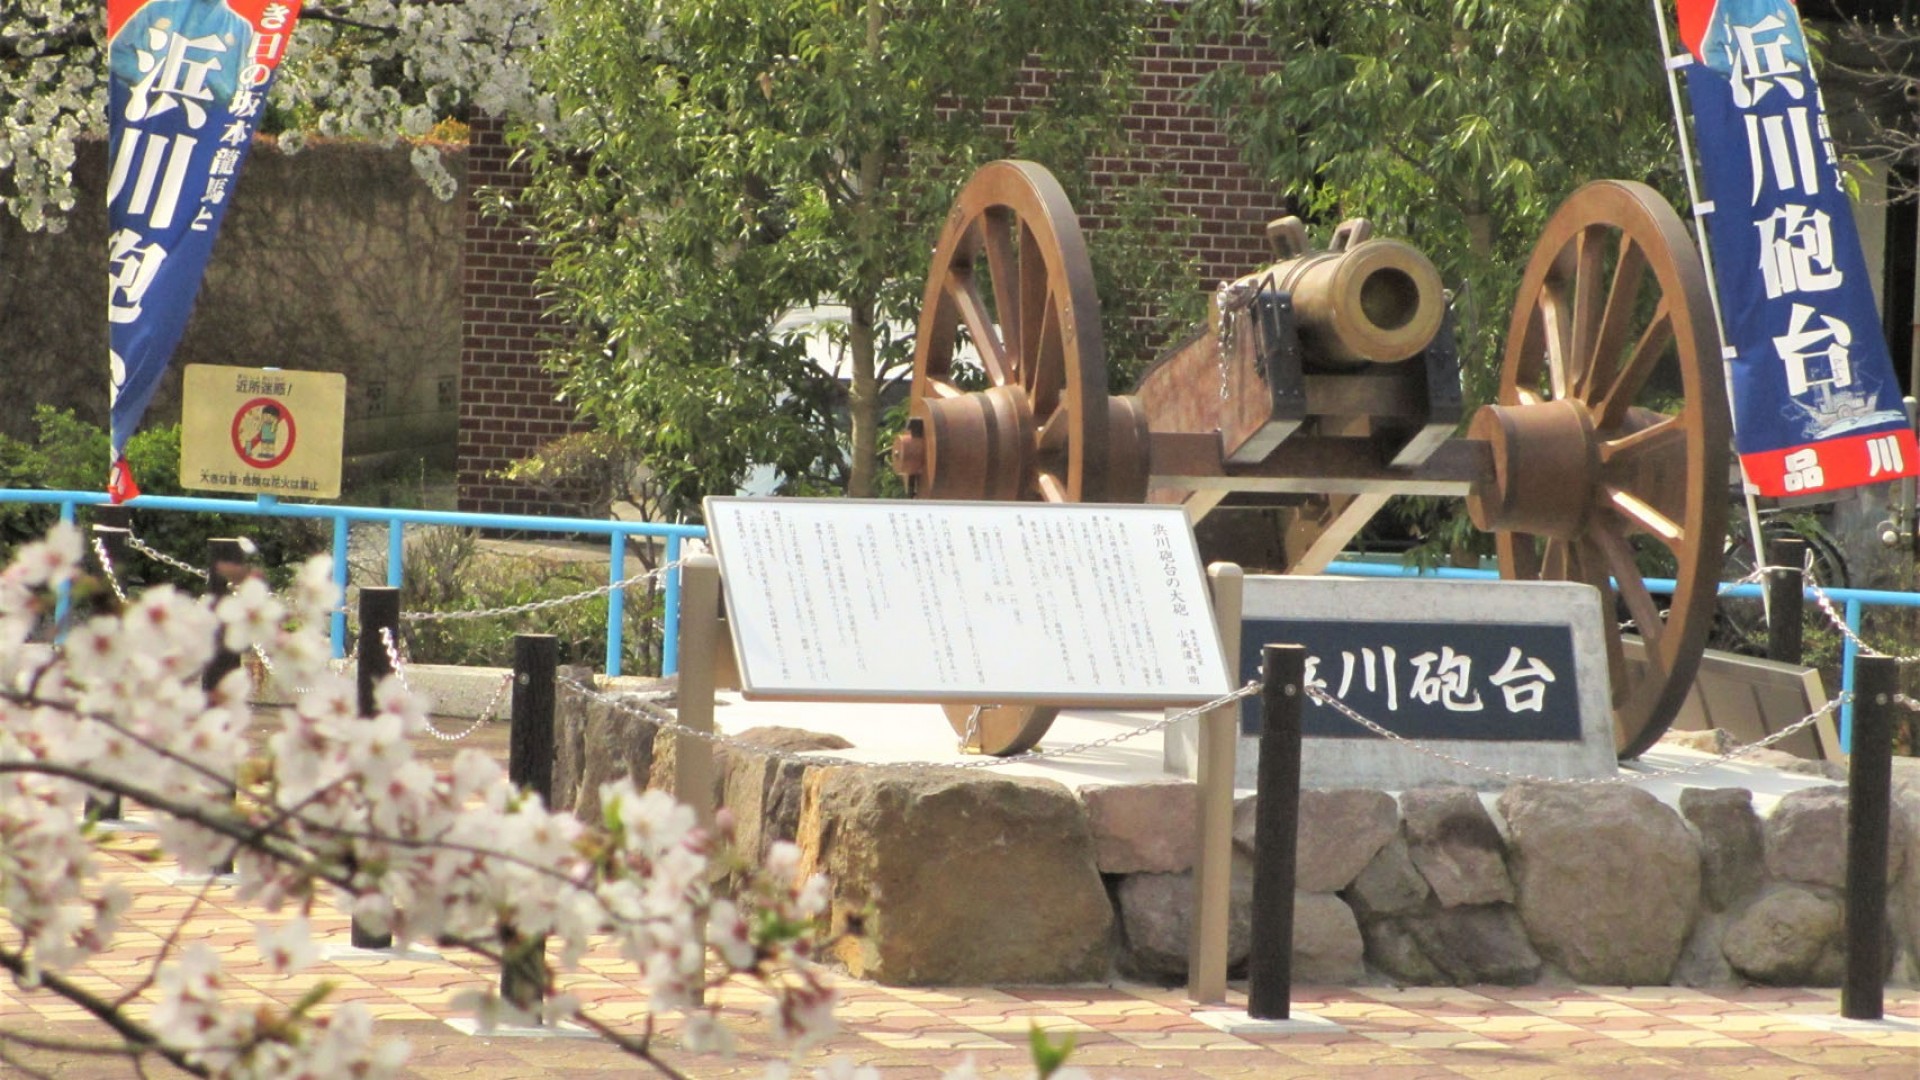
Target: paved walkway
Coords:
[[1120, 1030]]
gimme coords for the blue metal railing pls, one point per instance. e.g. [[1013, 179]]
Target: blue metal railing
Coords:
[[1855, 600], [617, 533]]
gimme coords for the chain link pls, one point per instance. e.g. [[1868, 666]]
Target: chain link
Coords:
[[106, 567], [647, 707], [540, 605], [1821, 598], [491, 711], [1907, 702], [162, 557], [1643, 774], [1229, 300], [396, 659]]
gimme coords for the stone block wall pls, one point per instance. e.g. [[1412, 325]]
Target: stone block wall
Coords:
[[972, 878]]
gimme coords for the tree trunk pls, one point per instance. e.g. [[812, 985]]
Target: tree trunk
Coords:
[[864, 401]]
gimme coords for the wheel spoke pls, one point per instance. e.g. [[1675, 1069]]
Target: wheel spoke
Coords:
[[941, 388], [1051, 489], [1039, 323], [1005, 266], [1613, 401], [1048, 363], [1661, 442], [1632, 587], [1054, 432], [1590, 251], [965, 291], [1553, 561], [1645, 517], [1614, 323], [1555, 328], [1589, 565]]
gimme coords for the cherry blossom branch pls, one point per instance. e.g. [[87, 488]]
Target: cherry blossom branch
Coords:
[[107, 1013]]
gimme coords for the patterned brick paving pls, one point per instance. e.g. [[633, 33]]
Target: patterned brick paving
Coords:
[[1120, 1030]]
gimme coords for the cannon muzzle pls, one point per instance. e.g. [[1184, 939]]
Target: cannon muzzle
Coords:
[[1361, 299]]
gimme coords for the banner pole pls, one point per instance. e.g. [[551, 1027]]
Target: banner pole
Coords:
[[1671, 64]]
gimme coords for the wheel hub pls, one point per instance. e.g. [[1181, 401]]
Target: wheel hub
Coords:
[[975, 446], [1546, 461]]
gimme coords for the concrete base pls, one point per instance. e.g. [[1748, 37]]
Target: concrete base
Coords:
[[466, 1025], [1237, 1022], [348, 954]]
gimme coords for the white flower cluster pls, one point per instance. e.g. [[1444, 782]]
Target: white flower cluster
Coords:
[[339, 805], [447, 56]]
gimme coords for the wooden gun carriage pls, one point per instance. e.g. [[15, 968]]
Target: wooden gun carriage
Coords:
[[1328, 382]]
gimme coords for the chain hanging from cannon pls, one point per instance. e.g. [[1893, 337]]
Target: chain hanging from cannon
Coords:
[[1328, 382]]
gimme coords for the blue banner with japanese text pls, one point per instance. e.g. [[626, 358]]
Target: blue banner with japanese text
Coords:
[[1816, 405], [188, 80]]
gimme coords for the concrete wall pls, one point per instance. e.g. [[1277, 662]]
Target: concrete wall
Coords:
[[333, 259]]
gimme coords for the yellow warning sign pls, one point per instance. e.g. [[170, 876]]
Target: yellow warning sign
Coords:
[[262, 431]]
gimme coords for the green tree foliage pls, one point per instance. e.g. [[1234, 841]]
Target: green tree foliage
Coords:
[[1456, 124], [717, 163]]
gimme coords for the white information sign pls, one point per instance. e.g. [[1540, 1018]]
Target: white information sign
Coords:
[[966, 602]]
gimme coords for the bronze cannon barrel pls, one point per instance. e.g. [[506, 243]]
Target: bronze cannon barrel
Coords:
[[1361, 299]]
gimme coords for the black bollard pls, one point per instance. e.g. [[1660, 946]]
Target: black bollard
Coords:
[[1786, 598], [379, 623], [523, 976], [1276, 833], [226, 567], [379, 611], [1869, 802]]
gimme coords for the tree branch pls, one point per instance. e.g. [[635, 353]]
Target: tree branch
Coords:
[[136, 1034]]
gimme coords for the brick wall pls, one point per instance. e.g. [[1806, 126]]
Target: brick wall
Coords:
[[507, 405], [507, 408], [1181, 144]]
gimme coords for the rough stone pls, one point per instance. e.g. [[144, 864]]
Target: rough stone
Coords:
[[1339, 832], [1806, 838], [1156, 921], [1609, 879], [1702, 963], [1707, 740], [763, 791], [1732, 864], [1144, 828], [613, 744], [956, 880], [1456, 846], [1327, 947], [1903, 901], [1390, 884], [1393, 950], [1791, 936], [1483, 943]]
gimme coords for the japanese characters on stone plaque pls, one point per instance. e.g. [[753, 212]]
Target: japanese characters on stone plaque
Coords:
[[1470, 680], [928, 601]]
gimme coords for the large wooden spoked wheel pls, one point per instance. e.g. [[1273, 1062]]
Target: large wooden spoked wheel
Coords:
[[1610, 440], [1010, 277]]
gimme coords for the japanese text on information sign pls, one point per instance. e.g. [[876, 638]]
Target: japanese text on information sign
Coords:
[[949, 602]]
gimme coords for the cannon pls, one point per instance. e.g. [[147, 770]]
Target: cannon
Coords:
[[1327, 383]]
